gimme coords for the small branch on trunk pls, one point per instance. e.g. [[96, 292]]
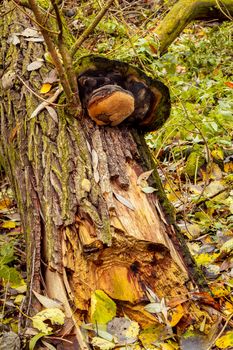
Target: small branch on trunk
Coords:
[[67, 60], [52, 49], [90, 29]]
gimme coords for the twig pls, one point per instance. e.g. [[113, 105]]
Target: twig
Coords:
[[6, 13], [40, 97], [45, 104], [221, 332], [52, 49], [90, 29], [67, 59], [32, 19]]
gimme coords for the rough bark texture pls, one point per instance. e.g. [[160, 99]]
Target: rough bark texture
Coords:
[[88, 225], [184, 12]]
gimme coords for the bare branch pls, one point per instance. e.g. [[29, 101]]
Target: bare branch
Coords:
[[52, 49], [67, 60]]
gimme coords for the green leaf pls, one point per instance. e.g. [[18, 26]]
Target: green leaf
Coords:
[[10, 274], [102, 343], [54, 315], [34, 340], [103, 309]]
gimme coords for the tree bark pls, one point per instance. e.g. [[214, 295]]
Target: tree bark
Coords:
[[88, 224], [184, 12]]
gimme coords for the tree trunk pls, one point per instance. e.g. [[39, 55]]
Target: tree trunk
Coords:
[[88, 224]]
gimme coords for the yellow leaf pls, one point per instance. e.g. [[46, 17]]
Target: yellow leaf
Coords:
[[19, 298], [218, 154], [133, 330], [5, 203], [45, 88], [175, 315], [228, 167], [166, 346], [219, 290], [54, 315], [103, 308], [206, 258], [228, 309], [8, 224], [225, 341], [215, 172]]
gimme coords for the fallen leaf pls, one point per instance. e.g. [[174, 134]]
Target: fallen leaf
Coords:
[[34, 66], [95, 161], [8, 224], [54, 315], [52, 113], [8, 79], [229, 84], [48, 345], [39, 39], [46, 87], [102, 343], [175, 315], [124, 201], [13, 39], [51, 78], [5, 203], [194, 340], [103, 308], [148, 189], [30, 32], [47, 302], [34, 340], [144, 176], [125, 330], [225, 341]]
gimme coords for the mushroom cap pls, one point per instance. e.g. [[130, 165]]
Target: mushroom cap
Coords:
[[151, 97], [110, 105]]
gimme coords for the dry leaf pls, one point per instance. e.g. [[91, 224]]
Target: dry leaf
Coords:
[[30, 32], [34, 66], [52, 113], [40, 39], [148, 189], [8, 79], [47, 302], [229, 84], [144, 176], [124, 201], [13, 39], [51, 78]]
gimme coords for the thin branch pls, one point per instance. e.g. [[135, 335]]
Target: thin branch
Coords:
[[23, 3], [52, 49], [90, 29], [67, 59], [6, 13], [40, 25], [48, 101]]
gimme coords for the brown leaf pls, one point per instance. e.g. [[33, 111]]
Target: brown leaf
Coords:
[[51, 77]]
